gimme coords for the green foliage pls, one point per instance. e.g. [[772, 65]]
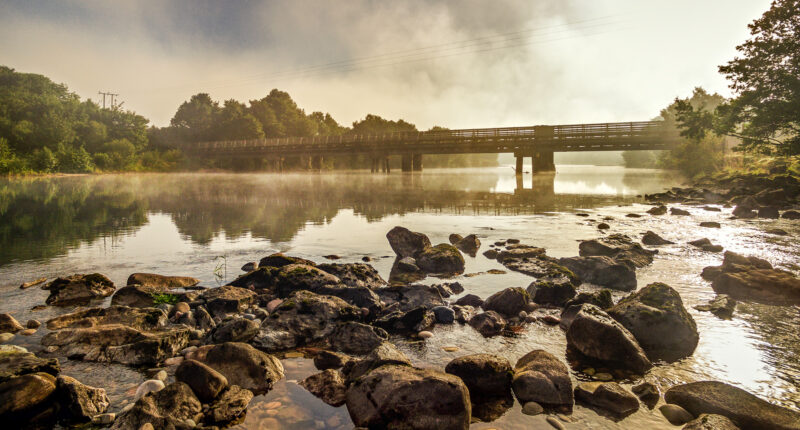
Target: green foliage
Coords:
[[641, 159], [159, 298], [73, 160]]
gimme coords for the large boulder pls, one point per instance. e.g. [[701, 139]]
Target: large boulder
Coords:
[[302, 318], [8, 324], [161, 281], [555, 293], [166, 409], [468, 245], [78, 289], [384, 354], [405, 397], [743, 408], [603, 271], [608, 396], [137, 318], [228, 300], [80, 402], [594, 334], [486, 376], [406, 243], [509, 302], [659, 322], [279, 260], [25, 397], [751, 278], [294, 277], [15, 363], [489, 323], [619, 247], [328, 385], [355, 274], [245, 366], [138, 296], [442, 258], [356, 338], [206, 382], [542, 378], [115, 343]]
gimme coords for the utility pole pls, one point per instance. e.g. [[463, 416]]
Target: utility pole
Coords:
[[112, 95]]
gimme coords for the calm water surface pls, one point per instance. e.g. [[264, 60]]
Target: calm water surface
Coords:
[[209, 225]]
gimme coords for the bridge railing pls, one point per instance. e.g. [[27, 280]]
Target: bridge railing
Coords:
[[552, 135]]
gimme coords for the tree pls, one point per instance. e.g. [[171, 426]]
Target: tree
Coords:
[[765, 112], [234, 123], [195, 118]]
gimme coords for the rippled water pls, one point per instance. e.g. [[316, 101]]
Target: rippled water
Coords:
[[208, 225]]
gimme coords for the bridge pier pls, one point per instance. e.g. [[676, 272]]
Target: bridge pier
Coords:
[[405, 162], [386, 165], [316, 162], [416, 162], [543, 161]]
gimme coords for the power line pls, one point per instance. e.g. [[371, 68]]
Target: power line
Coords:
[[111, 96]]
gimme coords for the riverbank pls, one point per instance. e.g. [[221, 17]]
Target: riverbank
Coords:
[[481, 277]]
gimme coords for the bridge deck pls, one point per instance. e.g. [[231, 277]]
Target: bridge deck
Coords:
[[643, 135]]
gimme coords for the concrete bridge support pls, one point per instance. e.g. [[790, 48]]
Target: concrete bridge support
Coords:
[[416, 162], [405, 162], [316, 162], [543, 161]]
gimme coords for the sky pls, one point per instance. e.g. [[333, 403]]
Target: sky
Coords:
[[452, 63]]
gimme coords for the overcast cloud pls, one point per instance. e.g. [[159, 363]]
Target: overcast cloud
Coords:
[[527, 62]]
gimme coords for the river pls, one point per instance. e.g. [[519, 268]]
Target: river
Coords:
[[209, 225]]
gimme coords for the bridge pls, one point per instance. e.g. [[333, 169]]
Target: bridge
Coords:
[[538, 142]]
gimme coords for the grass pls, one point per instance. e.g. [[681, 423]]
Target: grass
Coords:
[[159, 298]]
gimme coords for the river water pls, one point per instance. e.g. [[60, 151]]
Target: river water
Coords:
[[209, 225]]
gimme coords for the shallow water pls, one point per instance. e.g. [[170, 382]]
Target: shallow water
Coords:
[[209, 225]]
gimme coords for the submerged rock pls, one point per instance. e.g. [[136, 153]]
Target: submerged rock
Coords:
[[328, 385], [751, 278], [608, 396], [603, 271], [744, 409], [542, 378], [650, 238], [330, 360], [468, 244], [8, 324], [648, 393], [78, 289], [488, 323], [721, 306], [675, 414], [618, 247], [405, 397], [442, 258], [486, 376]]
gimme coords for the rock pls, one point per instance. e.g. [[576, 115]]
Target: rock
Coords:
[[442, 258], [744, 409], [601, 226], [454, 238], [541, 267], [203, 319], [34, 324], [137, 296], [721, 306], [444, 315], [777, 231], [601, 298], [80, 402], [116, 343], [469, 245], [9, 324], [486, 376], [330, 360], [405, 397], [229, 406], [542, 378], [355, 274], [653, 239], [490, 254], [408, 297], [407, 264], [791, 215], [711, 422], [149, 386], [677, 211], [6, 337], [602, 271], [463, 313], [532, 408], [555, 423], [161, 375], [17, 362], [657, 319], [470, 300], [657, 210], [608, 396], [769, 212], [520, 252], [675, 414], [746, 208], [169, 408], [25, 397], [328, 385], [249, 267], [555, 293], [710, 224], [137, 318], [279, 260], [488, 323], [302, 318], [406, 243], [424, 335], [618, 247], [415, 320], [648, 393], [245, 366], [78, 289], [104, 419], [161, 281], [508, 302], [235, 330], [596, 335], [770, 286], [228, 299], [385, 354], [206, 382], [356, 338]]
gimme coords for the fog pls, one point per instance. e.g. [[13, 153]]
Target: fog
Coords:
[[457, 64]]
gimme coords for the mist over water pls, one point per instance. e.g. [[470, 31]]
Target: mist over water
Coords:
[[209, 225]]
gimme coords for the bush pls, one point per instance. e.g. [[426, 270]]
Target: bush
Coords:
[[73, 160], [43, 160]]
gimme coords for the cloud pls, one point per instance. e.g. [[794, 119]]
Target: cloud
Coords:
[[522, 63]]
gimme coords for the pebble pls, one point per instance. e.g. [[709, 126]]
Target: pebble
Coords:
[[294, 354], [146, 426], [425, 335], [28, 331], [532, 408], [149, 386], [273, 304], [320, 424], [450, 348], [104, 418], [190, 422], [51, 348], [6, 337], [565, 418], [555, 423], [271, 412], [250, 317], [161, 375], [33, 324], [603, 377], [272, 405], [188, 350], [589, 371], [173, 361], [334, 421], [675, 414], [126, 408]]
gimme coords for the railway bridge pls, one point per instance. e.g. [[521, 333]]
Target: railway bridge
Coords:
[[538, 142]]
